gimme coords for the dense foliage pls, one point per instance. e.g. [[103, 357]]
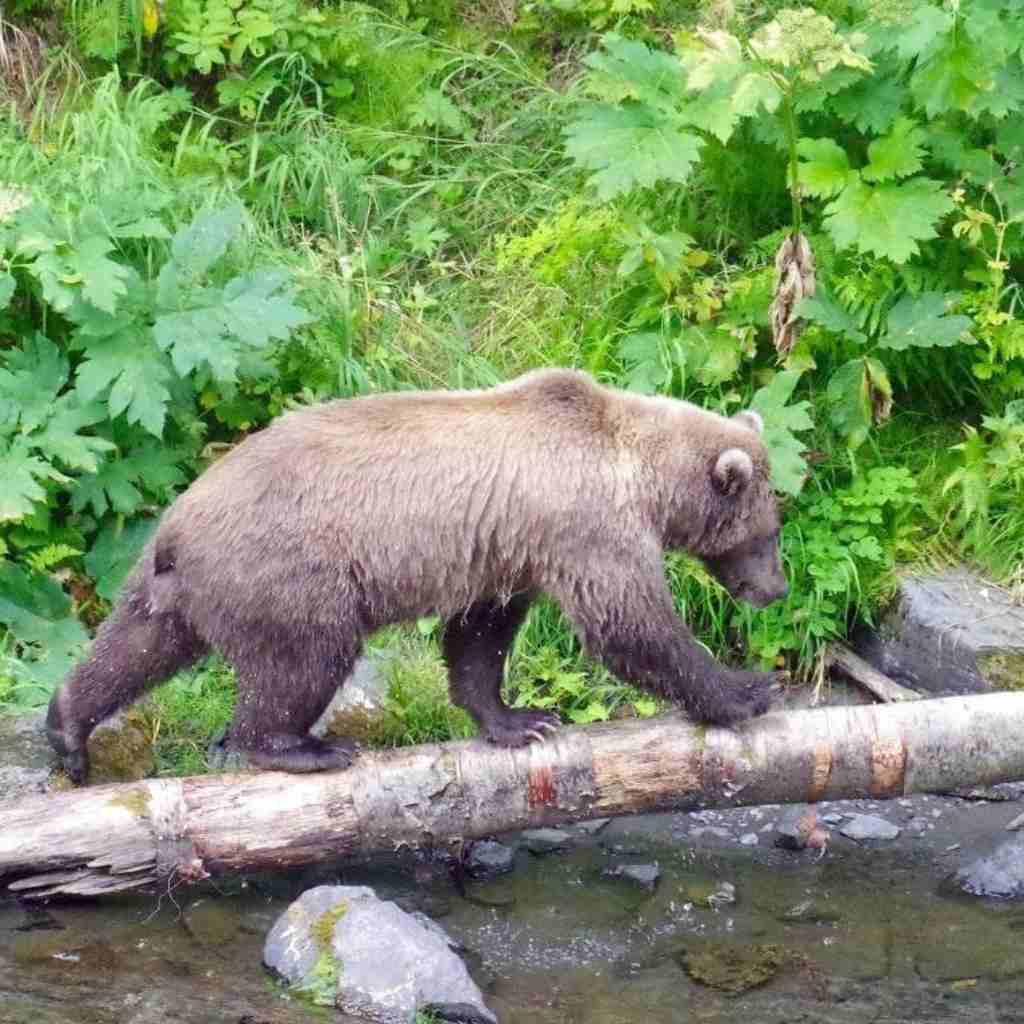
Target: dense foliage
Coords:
[[210, 209]]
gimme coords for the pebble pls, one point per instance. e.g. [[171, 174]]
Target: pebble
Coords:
[[749, 839]]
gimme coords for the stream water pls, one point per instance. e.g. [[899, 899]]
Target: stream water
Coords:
[[861, 934]]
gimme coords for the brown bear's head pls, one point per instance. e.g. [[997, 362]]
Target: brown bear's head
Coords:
[[744, 551]]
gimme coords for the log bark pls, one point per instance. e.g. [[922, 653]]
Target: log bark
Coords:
[[105, 839], [876, 683]]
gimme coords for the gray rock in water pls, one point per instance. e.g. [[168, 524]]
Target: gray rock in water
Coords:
[[489, 858], [342, 946], [952, 632], [1016, 823], [749, 839], [545, 840], [867, 826], [592, 827], [999, 875], [646, 876]]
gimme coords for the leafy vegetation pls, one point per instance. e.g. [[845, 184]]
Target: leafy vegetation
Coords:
[[213, 209]]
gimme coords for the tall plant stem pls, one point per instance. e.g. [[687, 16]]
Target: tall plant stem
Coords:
[[794, 179]]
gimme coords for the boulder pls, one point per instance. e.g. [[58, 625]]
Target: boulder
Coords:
[[999, 875], [949, 632], [342, 946], [357, 706], [120, 750]]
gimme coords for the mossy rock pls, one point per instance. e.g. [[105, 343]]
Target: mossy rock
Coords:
[[121, 749], [732, 969]]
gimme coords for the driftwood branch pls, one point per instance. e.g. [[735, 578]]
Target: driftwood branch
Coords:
[[876, 683], [111, 838]]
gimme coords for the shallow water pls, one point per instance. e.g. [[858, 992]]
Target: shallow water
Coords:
[[859, 935]]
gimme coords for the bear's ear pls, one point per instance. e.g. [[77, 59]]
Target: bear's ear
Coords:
[[732, 471], [751, 420]]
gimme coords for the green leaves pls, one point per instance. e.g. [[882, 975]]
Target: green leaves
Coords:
[[630, 147], [897, 154], [824, 169], [922, 321], [222, 323], [859, 396], [782, 421], [48, 638], [888, 219]]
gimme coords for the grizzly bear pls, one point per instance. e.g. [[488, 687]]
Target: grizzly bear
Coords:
[[339, 519]]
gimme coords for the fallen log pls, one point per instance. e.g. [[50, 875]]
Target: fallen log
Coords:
[[105, 839]]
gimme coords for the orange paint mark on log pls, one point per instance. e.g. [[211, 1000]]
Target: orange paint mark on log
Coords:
[[888, 767], [541, 786], [821, 771]]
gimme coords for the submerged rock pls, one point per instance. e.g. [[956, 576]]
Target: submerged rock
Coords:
[[342, 946], [731, 968], [646, 876], [545, 840], [951, 632], [868, 826], [999, 875], [489, 858]]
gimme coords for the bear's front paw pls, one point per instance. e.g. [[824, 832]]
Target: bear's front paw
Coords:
[[744, 695], [517, 728]]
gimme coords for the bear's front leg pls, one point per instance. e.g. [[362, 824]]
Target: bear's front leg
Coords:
[[625, 617], [476, 644]]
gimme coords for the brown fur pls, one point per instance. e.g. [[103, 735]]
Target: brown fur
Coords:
[[339, 519]]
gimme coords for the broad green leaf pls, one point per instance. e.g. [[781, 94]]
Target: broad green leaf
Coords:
[[871, 104], [713, 57], [781, 421], [20, 474], [30, 380], [148, 472], [921, 321], [628, 69], [642, 354], [923, 33], [247, 314], [7, 284], [198, 246], [897, 154], [953, 78], [115, 553], [435, 110], [859, 396], [823, 309], [135, 372], [48, 638], [823, 168], [630, 147], [712, 354], [61, 439], [887, 219]]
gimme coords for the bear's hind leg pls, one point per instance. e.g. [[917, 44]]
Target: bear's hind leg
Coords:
[[283, 688], [133, 651], [475, 647]]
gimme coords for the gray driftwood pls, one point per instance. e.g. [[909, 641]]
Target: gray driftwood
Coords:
[[116, 837], [876, 683]]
